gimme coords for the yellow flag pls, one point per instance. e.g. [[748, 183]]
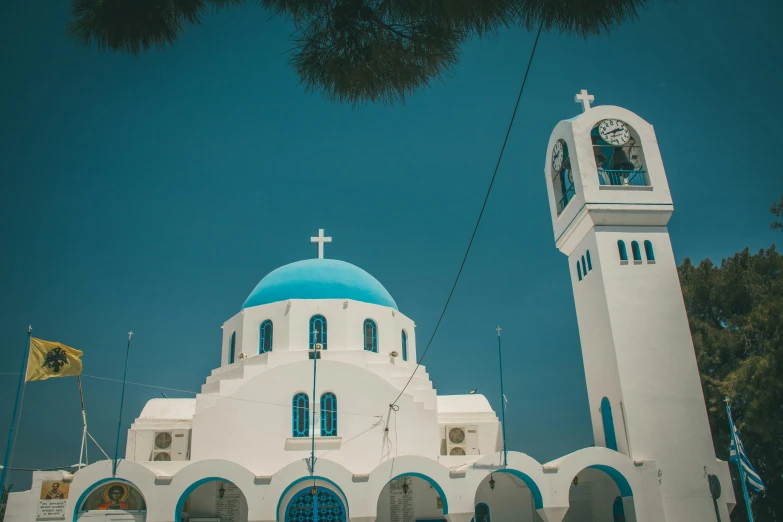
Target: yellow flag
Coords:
[[48, 359]]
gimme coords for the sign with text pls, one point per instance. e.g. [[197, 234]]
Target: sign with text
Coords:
[[401, 505], [228, 505], [54, 498]]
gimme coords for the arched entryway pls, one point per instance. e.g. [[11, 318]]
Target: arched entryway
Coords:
[[315, 504], [212, 497], [412, 496], [600, 493], [508, 494], [111, 495]]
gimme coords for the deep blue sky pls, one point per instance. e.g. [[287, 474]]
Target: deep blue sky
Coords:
[[152, 194]]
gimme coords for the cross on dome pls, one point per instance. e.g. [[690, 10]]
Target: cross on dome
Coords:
[[498, 329], [585, 99], [320, 239]]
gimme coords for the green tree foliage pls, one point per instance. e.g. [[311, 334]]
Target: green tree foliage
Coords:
[[4, 500], [736, 319], [354, 50], [777, 210]]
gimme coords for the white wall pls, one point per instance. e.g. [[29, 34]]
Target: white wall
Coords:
[[598, 348], [665, 410], [254, 424], [345, 326]]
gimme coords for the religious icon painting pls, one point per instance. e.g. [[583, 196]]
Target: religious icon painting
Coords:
[[54, 490], [53, 501], [114, 496]]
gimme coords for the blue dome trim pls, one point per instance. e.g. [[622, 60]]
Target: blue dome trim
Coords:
[[319, 279]]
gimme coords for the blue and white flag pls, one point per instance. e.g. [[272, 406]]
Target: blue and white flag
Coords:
[[751, 476]]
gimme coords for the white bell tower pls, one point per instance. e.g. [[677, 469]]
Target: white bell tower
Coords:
[[610, 203]]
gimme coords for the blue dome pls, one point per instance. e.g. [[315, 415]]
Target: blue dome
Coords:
[[319, 279]]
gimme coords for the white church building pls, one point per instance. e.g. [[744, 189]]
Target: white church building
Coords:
[[295, 425]]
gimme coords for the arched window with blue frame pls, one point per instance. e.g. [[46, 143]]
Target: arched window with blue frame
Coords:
[[232, 346], [317, 331], [584, 266], [637, 254], [623, 251], [265, 337], [589, 263], [648, 250], [482, 513], [370, 336], [404, 346], [608, 422], [579, 270], [300, 418], [328, 415]]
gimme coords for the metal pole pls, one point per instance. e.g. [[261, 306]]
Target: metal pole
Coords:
[[22, 381], [502, 401], [739, 462], [122, 402], [83, 449], [312, 426]]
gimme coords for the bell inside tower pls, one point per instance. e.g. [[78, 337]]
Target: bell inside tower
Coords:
[[619, 158]]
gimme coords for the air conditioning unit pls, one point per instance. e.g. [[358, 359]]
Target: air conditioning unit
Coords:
[[171, 445], [462, 440]]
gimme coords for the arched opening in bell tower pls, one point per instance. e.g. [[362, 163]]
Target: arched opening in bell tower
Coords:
[[562, 176], [618, 154]]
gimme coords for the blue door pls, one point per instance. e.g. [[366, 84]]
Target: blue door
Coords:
[[324, 507]]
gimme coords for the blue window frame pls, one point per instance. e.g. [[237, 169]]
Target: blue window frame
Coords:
[[608, 422], [482, 513], [265, 337], [637, 254], [648, 250], [300, 425], [328, 415], [589, 263], [579, 270], [317, 324], [584, 266], [370, 336], [623, 251], [404, 346], [232, 345]]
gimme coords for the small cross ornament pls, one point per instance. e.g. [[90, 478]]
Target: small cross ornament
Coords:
[[320, 239], [585, 99]]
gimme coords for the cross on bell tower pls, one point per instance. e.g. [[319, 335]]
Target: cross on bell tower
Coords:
[[320, 239]]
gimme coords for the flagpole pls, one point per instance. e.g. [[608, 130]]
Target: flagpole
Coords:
[[739, 461], [502, 401], [122, 403], [83, 449], [11, 435]]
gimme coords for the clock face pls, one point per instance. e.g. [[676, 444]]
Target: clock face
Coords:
[[558, 154], [614, 132]]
